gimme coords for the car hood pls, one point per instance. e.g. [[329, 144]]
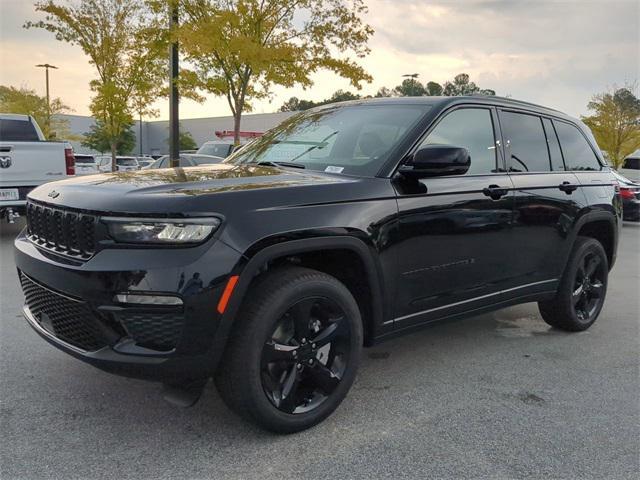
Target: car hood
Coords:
[[210, 188]]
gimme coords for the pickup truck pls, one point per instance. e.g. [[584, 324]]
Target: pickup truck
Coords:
[[26, 161]]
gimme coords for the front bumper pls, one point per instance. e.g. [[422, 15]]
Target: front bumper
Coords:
[[72, 306]]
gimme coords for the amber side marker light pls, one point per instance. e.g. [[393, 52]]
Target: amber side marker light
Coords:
[[226, 295]]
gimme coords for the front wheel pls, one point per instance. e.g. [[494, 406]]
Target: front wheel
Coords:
[[582, 290], [294, 352]]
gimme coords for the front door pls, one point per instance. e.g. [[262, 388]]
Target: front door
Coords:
[[455, 248]]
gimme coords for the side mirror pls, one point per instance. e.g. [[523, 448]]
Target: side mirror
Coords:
[[436, 161]]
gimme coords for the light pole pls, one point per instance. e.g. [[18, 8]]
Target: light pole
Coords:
[[174, 133], [413, 77], [46, 66]]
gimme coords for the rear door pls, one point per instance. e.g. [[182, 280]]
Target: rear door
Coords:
[[547, 199], [455, 247], [580, 158]]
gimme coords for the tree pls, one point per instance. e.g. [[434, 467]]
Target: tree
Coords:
[[241, 48], [433, 89], [410, 87], [26, 102], [98, 139], [294, 104], [615, 122], [384, 92], [127, 56], [462, 86], [187, 142]]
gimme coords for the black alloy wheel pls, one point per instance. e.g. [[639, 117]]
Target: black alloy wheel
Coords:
[[304, 360], [588, 287], [294, 350], [582, 290]]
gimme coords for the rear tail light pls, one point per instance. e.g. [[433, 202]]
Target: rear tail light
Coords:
[[627, 193], [70, 161]]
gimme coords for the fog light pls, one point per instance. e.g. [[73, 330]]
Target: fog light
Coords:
[[148, 299]]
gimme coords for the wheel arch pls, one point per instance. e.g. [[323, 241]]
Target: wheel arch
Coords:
[[257, 264], [603, 226]]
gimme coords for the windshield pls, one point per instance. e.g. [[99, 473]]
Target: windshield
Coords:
[[354, 139], [215, 149]]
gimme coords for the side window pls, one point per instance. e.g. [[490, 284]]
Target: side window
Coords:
[[526, 142], [557, 164], [578, 155], [471, 128]]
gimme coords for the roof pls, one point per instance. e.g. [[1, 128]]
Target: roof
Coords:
[[444, 101]]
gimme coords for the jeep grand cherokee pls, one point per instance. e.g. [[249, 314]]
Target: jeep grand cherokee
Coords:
[[343, 227]]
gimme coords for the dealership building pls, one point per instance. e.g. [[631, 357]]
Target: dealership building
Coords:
[[152, 136]]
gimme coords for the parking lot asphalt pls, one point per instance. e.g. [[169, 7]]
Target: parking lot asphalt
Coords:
[[494, 396]]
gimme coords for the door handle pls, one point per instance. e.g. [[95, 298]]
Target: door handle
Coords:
[[495, 191], [568, 187]]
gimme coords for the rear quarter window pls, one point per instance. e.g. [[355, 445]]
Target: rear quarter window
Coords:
[[578, 154], [17, 131]]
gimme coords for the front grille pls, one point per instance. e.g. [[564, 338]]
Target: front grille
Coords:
[[62, 231], [69, 320], [154, 330]]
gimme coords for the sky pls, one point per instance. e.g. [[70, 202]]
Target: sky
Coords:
[[550, 52]]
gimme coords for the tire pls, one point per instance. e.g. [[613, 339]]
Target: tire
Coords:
[[297, 391], [582, 290]]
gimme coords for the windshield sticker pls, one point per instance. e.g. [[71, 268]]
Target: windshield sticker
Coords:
[[332, 169]]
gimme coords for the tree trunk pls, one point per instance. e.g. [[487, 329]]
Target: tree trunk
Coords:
[[114, 147], [237, 117]]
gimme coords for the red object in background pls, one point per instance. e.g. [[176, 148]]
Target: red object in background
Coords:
[[229, 133]]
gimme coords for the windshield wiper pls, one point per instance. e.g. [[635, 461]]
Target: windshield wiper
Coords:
[[269, 163], [321, 144]]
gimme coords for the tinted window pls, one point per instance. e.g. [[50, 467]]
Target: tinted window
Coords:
[[354, 139], [632, 163], [554, 147], [578, 155], [526, 142], [471, 128], [17, 131]]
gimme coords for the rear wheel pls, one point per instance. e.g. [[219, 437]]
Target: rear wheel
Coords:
[[295, 351], [582, 290]]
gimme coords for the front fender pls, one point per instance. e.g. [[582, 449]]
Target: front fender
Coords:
[[254, 260]]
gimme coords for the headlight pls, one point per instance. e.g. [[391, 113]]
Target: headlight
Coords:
[[161, 230]]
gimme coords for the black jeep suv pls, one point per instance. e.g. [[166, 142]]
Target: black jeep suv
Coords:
[[344, 226]]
